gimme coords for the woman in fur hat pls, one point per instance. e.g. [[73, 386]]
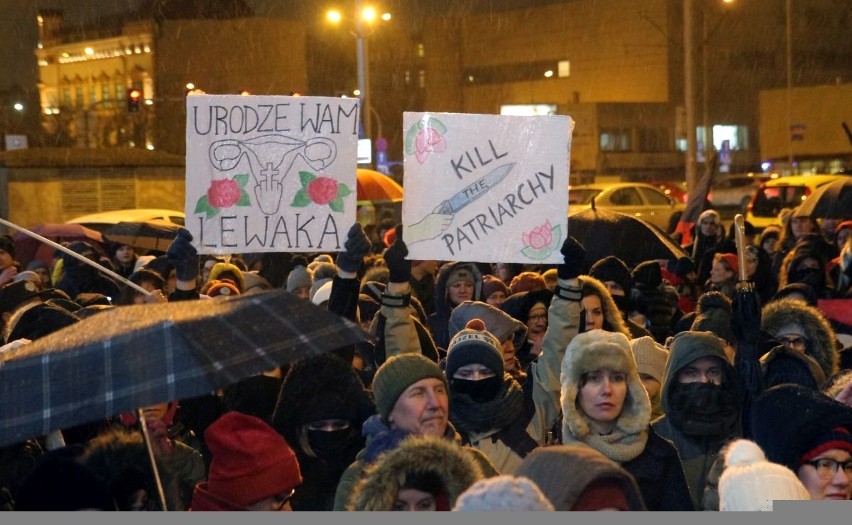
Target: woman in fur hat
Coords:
[[804, 329], [423, 474], [605, 406]]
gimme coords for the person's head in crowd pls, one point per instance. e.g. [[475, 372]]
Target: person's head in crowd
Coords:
[[167, 271], [147, 279], [299, 282], [798, 291], [228, 270], [494, 291], [507, 271], [123, 254], [253, 467], [576, 477], [651, 364], [809, 433], [460, 284], [526, 282], [769, 239], [724, 269], [598, 308], [550, 277], [802, 328], [510, 332], [615, 275], [503, 494], [411, 394], [42, 270], [710, 224], [795, 228], [713, 314], [7, 251], [751, 483]]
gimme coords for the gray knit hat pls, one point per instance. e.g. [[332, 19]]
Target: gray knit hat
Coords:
[[475, 344], [503, 494], [398, 373], [502, 325], [300, 277]]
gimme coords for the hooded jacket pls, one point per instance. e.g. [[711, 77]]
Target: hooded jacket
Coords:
[[651, 460], [455, 469], [822, 345], [563, 472], [697, 453], [443, 307]]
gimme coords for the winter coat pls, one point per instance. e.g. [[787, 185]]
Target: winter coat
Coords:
[[651, 460], [822, 345], [563, 472], [455, 469], [377, 433], [439, 319], [697, 453]]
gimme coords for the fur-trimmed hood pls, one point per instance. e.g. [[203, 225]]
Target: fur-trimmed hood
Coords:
[[612, 315], [454, 466], [563, 472], [592, 351], [783, 313]]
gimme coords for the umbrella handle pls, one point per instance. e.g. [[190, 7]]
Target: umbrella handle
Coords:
[[739, 231], [144, 426], [76, 256]]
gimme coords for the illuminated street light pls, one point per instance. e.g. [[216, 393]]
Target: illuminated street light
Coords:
[[548, 73], [368, 14], [190, 86], [386, 16], [18, 106], [334, 16]]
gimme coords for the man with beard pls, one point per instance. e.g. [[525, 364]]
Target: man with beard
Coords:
[[702, 402]]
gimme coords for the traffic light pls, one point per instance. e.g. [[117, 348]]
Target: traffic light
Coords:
[[134, 95]]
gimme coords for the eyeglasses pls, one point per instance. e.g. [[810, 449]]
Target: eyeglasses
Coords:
[[826, 468], [794, 342], [282, 499]]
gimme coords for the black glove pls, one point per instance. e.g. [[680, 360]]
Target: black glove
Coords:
[[745, 318], [183, 255], [575, 259], [398, 267], [357, 246]]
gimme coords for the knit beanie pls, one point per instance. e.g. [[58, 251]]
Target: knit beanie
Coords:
[[838, 437], [751, 483], [527, 281], [503, 494], [491, 284], [474, 344], [7, 244], [681, 267], [251, 461], [604, 493], [713, 314], [732, 261], [460, 273], [222, 288], [398, 373], [611, 268], [502, 325], [300, 277], [648, 274], [650, 357]]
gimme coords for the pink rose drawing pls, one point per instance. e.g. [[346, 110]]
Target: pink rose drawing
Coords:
[[224, 193], [320, 190], [427, 141], [541, 241]]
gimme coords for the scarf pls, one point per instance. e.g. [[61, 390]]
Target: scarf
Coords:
[[469, 416], [618, 445], [704, 410]]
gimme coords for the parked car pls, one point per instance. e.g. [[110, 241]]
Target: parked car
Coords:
[[103, 220], [735, 190], [675, 190], [631, 198], [785, 192]]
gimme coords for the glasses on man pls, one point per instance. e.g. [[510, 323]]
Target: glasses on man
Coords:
[[794, 342], [826, 468], [282, 499]]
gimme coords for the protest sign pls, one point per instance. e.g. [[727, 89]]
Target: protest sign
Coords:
[[270, 173], [485, 188]]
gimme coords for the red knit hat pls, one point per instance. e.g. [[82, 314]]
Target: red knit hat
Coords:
[[732, 261], [251, 461], [602, 494], [839, 438]]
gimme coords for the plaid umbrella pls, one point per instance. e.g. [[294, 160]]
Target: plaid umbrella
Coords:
[[135, 356], [150, 235], [631, 239]]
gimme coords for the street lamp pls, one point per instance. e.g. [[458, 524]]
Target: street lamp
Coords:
[[365, 16]]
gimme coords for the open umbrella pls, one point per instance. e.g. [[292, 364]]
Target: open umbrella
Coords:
[[376, 187], [136, 356], [28, 249], [149, 235], [829, 201], [631, 239]]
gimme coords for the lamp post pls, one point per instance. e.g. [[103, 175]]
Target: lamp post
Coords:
[[365, 16], [689, 92]]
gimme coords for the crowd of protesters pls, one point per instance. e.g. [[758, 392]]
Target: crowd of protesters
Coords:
[[582, 386]]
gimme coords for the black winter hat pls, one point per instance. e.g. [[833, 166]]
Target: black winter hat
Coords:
[[680, 267], [782, 366], [648, 274], [785, 419], [16, 293], [41, 320], [611, 268], [713, 314], [474, 344], [7, 244]]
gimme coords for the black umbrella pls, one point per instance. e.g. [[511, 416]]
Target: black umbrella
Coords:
[[829, 201], [631, 239], [136, 356], [150, 235]]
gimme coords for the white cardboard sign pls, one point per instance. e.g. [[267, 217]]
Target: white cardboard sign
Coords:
[[270, 173], [485, 188]]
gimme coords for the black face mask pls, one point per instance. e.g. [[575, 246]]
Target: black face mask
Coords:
[[332, 444], [704, 409], [480, 391]]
